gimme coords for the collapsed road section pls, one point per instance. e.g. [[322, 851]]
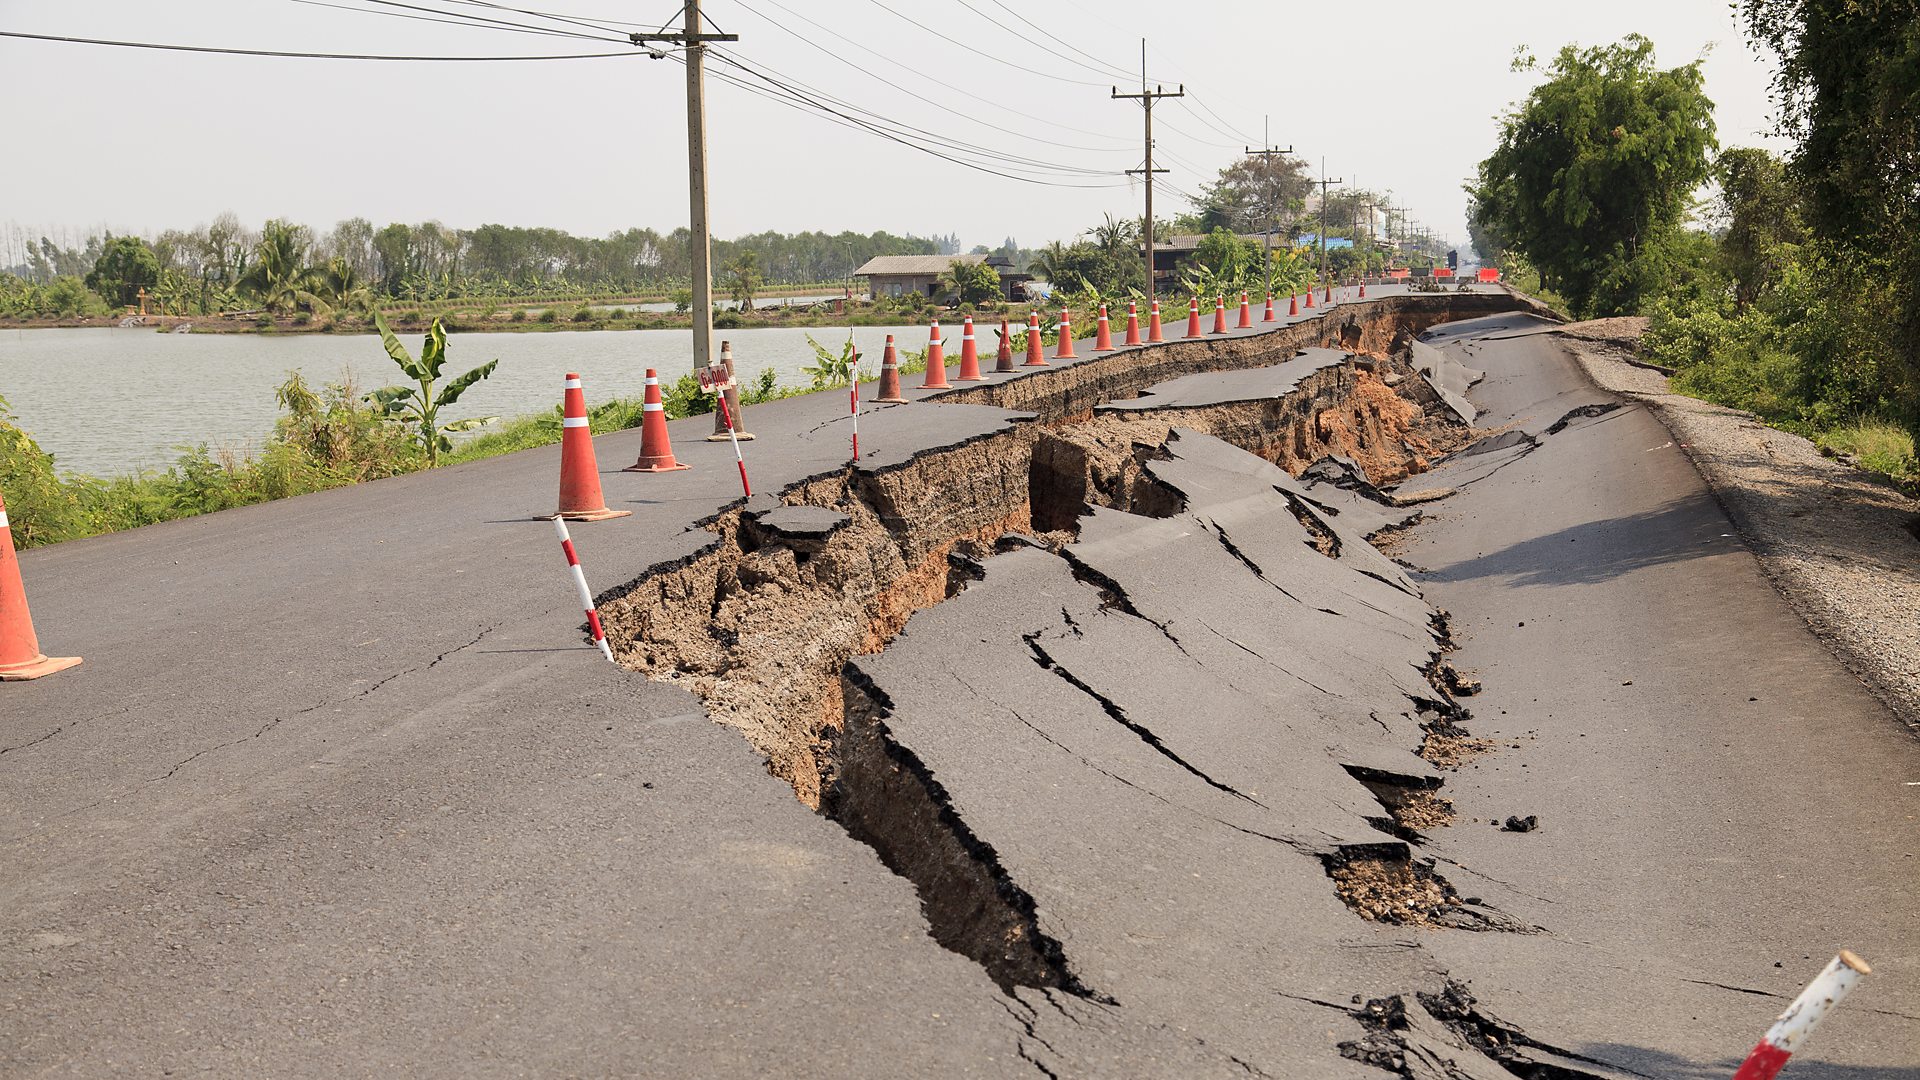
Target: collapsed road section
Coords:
[[1149, 723]]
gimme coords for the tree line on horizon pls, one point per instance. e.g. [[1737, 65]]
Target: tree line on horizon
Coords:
[[282, 266]]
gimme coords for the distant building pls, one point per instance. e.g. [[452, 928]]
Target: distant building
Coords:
[[898, 275]]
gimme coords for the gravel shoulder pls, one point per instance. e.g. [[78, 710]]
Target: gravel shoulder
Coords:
[[1842, 547]]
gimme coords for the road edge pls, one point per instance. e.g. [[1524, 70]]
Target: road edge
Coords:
[[1863, 631]]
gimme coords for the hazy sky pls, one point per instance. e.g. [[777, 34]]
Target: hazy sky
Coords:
[[142, 140]]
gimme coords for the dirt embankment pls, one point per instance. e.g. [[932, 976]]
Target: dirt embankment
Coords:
[[761, 625], [760, 629]]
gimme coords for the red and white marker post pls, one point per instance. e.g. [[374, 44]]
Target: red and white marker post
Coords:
[[1807, 1010], [714, 380], [580, 586], [853, 401]]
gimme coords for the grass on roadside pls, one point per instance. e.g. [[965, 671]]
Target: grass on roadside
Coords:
[[1875, 446]]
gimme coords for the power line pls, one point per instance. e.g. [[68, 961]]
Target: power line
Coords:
[[540, 15], [1106, 71], [306, 55], [929, 78], [403, 15], [484, 20], [799, 99], [977, 52], [1215, 127], [855, 124], [1230, 128], [792, 85]]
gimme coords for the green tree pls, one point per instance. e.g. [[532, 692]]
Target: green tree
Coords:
[[420, 404], [1223, 262], [1259, 193], [1848, 90], [1593, 174], [970, 282], [1761, 214], [126, 266], [279, 279], [68, 295], [744, 279]]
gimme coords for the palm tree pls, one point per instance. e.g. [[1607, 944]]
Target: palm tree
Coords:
[[342, 288], [277, 280], [1050, 263], [1119, 238]]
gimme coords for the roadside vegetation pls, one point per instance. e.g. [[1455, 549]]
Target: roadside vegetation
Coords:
[[325, 438], [1794, 291]]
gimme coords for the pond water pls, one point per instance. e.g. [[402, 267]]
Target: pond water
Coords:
[[107, 401]]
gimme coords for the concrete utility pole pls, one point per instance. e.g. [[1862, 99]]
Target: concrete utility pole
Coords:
[[1324, 184], [695, 40], [1146, 98], [1265, 153], [1368, 262]]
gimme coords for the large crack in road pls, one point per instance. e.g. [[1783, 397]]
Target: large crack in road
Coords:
[[1049, 580]]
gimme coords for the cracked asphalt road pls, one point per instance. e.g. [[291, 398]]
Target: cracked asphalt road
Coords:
[[1722, 804], [286, 823]]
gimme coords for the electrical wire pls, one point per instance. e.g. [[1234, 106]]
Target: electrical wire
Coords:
[[909, 68], [1105, 69], [629, 54], [404, 15], [977, 52], [798, 99], [541, 15], [483, 20], [795, 86]]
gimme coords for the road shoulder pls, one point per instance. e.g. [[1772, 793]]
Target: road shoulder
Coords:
[[1841, 547]]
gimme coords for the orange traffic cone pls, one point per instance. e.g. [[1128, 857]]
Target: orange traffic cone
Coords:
[[1219, 314], [1103, 338], [969, 354], [1193, 317], [1293, 304], [20, 655], [890, 375], [1246, 312], [580, 498], [1363, 288], [1036, 351], [1065, 349], [739, 415], [1153, 325], [1309, 298], [1003, 360], [1133, 323], [936, 360], [1328, 299], [1269, 316]]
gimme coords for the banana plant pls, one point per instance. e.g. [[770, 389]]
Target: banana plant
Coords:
[[830, 368], [420, 405], [1289, 271]]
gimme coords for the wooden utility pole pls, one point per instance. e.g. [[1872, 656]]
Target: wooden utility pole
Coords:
[[1324, 184], [1265, 153], [695, 40], [1146, 98]]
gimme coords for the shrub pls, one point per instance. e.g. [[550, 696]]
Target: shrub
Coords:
[[550, 315]]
